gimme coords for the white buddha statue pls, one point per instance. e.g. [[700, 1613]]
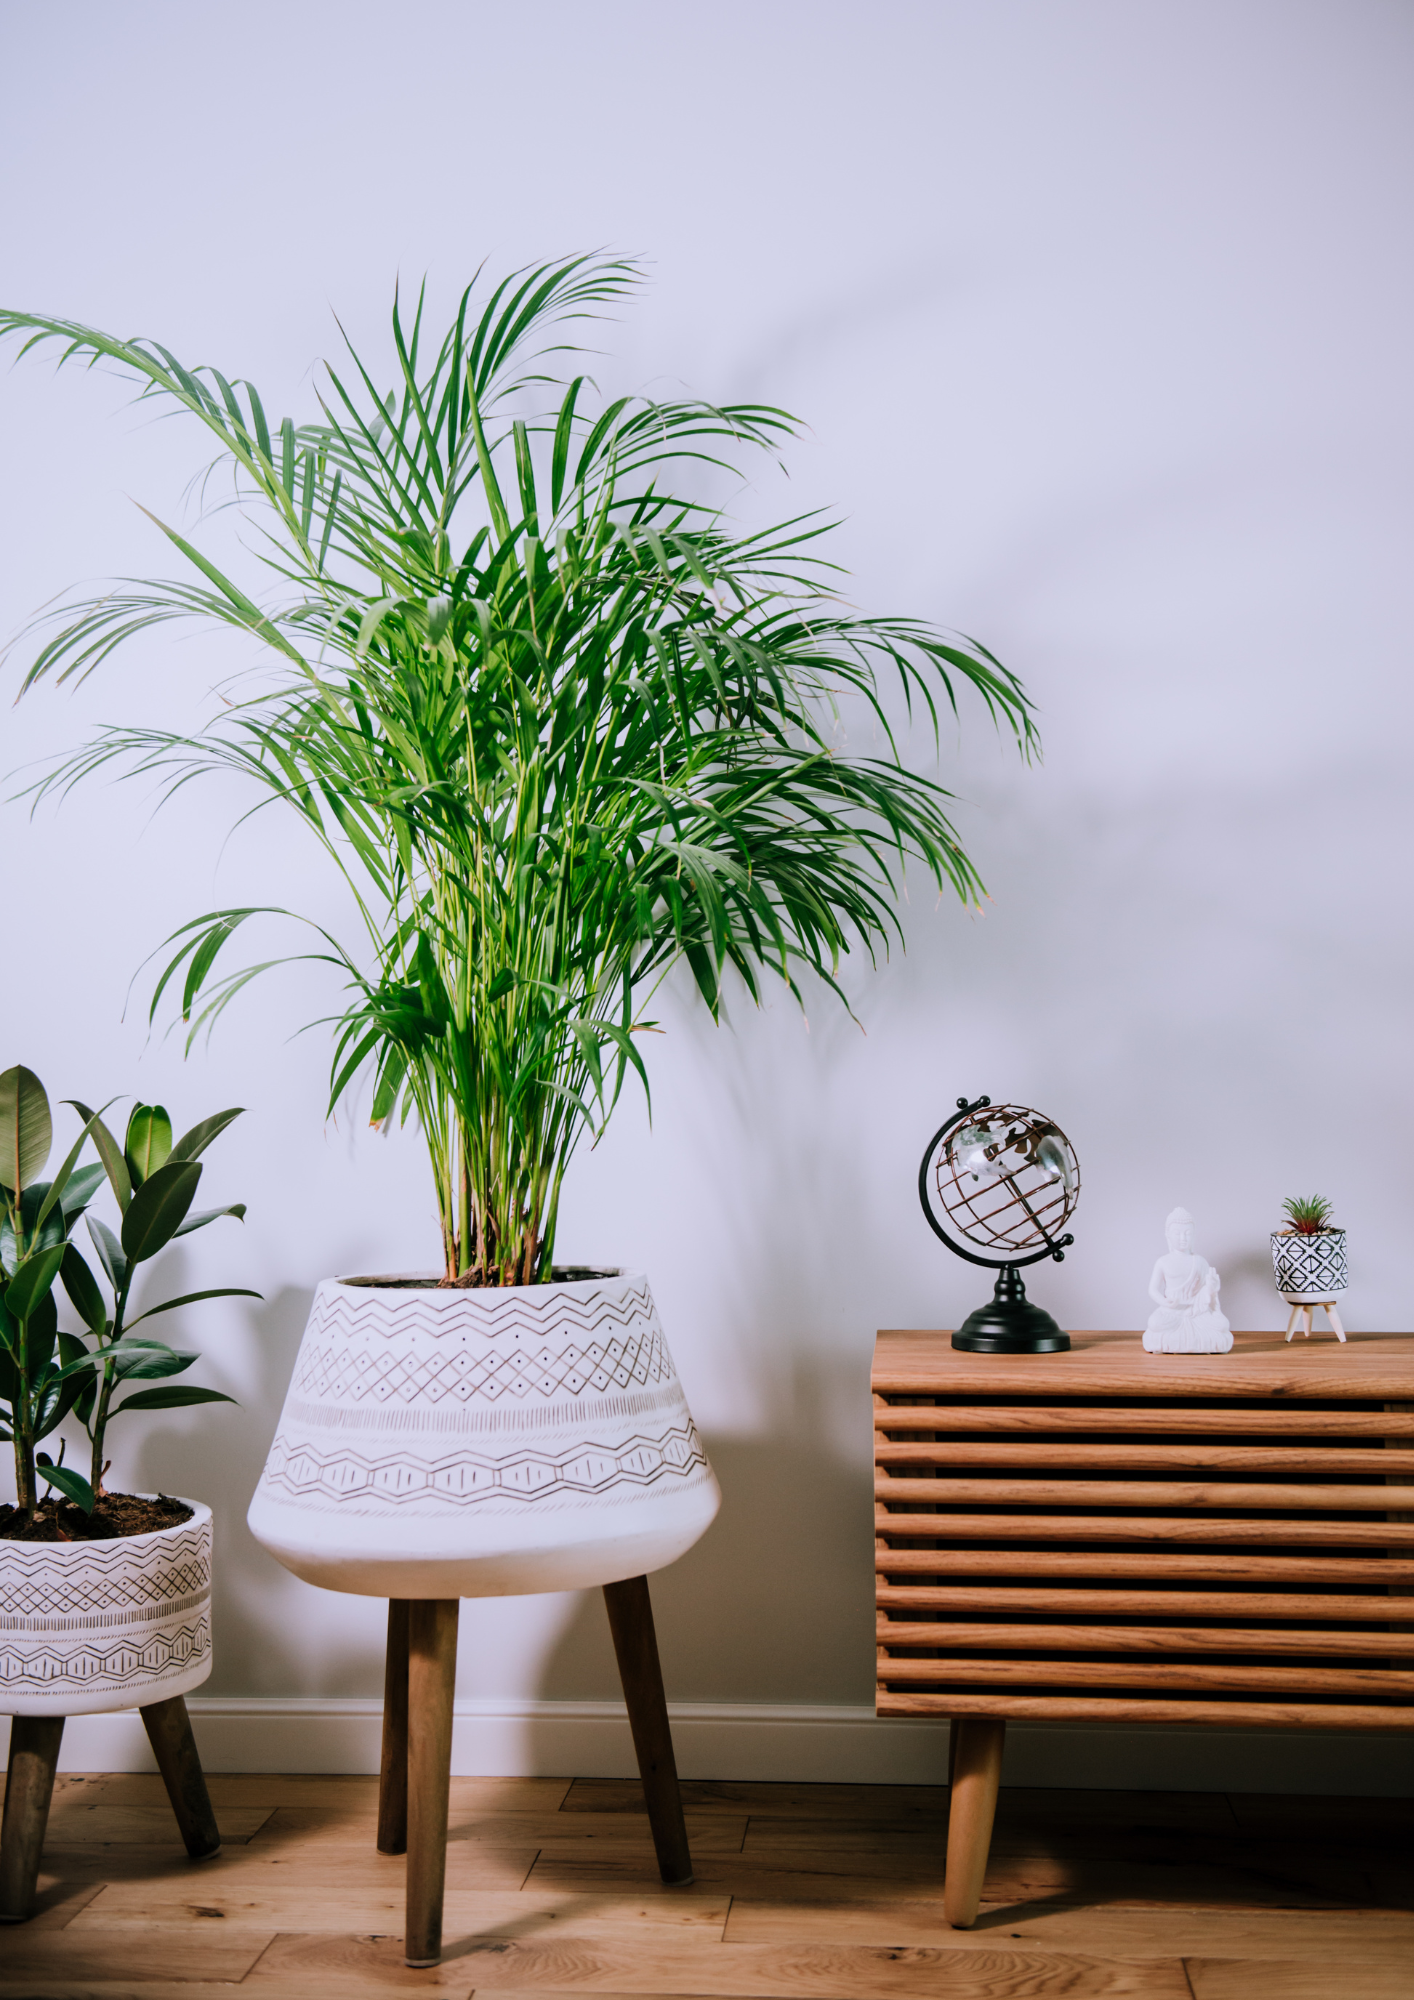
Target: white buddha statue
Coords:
[[1184, 1287]]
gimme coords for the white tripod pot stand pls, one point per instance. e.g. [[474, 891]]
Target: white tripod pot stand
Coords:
[[437, 1444]]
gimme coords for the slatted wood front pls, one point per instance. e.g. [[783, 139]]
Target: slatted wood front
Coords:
[[1110, 1535]]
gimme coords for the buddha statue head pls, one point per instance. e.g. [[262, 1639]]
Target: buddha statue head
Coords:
[[1179, 1230]]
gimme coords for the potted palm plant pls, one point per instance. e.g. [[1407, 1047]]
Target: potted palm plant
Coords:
[[560, 728], [104, 1596]]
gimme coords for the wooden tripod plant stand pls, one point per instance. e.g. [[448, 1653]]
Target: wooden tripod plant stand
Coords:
[[415, 1781], [29, 1787]]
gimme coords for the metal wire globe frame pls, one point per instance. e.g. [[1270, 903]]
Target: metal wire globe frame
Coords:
[[1010, 1323]]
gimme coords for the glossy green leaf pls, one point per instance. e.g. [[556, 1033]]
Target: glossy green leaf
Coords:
[[59, 1185], [205, 1215], [32, 1281], [148, 1360], [194, 1298], [147, 1143], [71, 1484], [158, 1208], [174, 1398], [80, 1188], [82, 1287], [110, 1152], [110, 1253], [195, 1142], [26, 1128]]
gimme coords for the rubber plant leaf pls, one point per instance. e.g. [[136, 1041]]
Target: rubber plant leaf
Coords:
[[158, 1209], [26, 1128]]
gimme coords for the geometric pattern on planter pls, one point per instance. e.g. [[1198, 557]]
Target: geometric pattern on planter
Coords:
[[1314, 1263], [86, 1626], [105, 1582], [43, 1669], [464, 1478], [330, 1367]]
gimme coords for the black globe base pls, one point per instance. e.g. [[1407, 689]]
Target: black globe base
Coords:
[[1009, 1323]]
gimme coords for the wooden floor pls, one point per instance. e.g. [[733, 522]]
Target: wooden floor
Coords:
[[829, 1892]]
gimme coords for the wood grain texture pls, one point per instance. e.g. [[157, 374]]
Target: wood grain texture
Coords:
[[392, 1837], [1009, 1600], [1370, 1367], [976, 1767], [169, 1732], [1247, 1714], [1350, 1682], [1070, 1454], [895, 1419], [1157, 1566], [29, 1787], [1185, 1493], [1157, 1529], [894, 1635], [1289, 1979], [630, 1613], [72, 1824], [825, 1892], [432, 1674], [821, 1972], [1318, 1937]]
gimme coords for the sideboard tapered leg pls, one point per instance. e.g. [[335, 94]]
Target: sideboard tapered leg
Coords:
[[636, 1646], [977, 1771], [29, 1786], [432, 1674], [393, 1776], [168, 1729]]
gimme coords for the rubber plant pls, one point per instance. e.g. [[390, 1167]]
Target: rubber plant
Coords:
[[46, 1374], [558, 724]]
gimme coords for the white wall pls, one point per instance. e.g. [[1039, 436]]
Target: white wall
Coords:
[[1100, 316]]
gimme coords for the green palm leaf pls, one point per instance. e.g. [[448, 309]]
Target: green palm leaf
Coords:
[[558, 725]]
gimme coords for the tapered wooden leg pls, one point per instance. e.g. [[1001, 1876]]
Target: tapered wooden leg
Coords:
[[393, 1775], [29, 1786], [1334, 1317], [636, 1646], [972, 1806], [168, 1729], [432, 1673]]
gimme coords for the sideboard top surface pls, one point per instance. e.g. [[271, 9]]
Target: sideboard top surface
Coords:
[[1368, 1366]]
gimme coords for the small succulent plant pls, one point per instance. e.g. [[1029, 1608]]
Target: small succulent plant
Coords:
[[1308, 1215]]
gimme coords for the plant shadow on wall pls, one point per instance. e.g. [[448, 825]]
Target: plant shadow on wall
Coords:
[[775, 1603]]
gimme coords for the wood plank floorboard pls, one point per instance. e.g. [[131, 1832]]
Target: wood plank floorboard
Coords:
[[829, 1892], [1284, 1979]]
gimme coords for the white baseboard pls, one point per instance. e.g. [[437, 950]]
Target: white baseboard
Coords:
[[792, 1742]]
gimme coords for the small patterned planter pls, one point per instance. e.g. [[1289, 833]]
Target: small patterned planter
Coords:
[[444, 1444], [86, 1627], [1309, 1269]]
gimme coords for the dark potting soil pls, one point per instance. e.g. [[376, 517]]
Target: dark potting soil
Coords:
[[116, 1516], [561, 1274]]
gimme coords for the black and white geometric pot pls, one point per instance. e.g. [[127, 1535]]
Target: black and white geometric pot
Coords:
[[1309, 1269], [439, 1444], [86, 1627]]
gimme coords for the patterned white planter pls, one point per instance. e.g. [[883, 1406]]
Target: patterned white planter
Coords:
[[1309, 1269], [483, 1443], [90, 1626]]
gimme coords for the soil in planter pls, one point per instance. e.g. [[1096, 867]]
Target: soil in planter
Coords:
[[116, 1516], [562, 1274]]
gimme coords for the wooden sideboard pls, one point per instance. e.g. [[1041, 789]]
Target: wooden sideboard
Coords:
[[1107, 1535]]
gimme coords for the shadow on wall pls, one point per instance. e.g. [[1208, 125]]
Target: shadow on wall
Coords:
[[775, 1604]]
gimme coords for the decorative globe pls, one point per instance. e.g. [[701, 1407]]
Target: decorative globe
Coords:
[[1008, 1180], [998, 1184]]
